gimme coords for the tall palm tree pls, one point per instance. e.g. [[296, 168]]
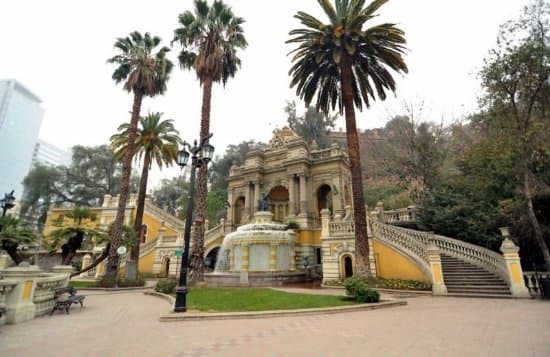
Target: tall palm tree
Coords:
[[143, 74], [344, 64], [210, 38], [156, 141]]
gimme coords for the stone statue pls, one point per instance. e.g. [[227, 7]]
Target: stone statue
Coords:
[[263, 204]]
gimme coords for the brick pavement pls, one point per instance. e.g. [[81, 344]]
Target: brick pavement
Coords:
[[126, 324]]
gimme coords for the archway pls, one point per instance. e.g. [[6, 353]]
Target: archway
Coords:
[[324, 198], [347, 266], [238, 211], [211, 259], [165, 269], [278, 203]]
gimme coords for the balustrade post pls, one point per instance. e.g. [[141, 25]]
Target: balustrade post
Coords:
[[511, 257], [380, 211], [273, 257], [325, 219], [434, 257], [86, 261]]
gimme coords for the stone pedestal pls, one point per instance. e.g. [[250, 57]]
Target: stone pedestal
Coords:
[[19, 302], [86, 261], [515, 274], [3, 260], [131, 270], [434, 257]]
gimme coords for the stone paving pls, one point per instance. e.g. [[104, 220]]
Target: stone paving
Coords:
[[126, 324]]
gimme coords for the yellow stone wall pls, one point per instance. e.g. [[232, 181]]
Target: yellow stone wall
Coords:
[[309, 237], [153, 226], [392, 265], [145, 264], [49, 226]]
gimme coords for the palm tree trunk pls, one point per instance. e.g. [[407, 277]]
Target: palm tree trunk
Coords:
[[361, 242], [112, 263], [196, 264], [141, 204], [539, 238]]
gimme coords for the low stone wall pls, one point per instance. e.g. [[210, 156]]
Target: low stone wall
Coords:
[[27, 291], [253, 279]]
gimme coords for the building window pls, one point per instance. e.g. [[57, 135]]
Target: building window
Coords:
[[318, 255], [143, 233]]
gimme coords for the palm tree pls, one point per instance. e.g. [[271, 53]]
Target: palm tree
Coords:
[[344, 65], [14, 233], [143, 74], [210, 38], [156, 140], [70, 237]]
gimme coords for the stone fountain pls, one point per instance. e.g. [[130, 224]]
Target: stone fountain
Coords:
[[261, 253]]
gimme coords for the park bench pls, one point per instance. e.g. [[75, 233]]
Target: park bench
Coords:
[[65, 297]]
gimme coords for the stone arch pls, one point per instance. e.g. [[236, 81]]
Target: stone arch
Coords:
[[346, 266], [211, 258], [323, 198], [278, 198], [165, 266], [238, 211]]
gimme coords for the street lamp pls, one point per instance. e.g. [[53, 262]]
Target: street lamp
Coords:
[[7, 202], [200, 155]]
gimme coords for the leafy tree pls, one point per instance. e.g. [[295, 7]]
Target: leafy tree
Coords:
[[170, 195], [344, 64], [143, 74], [14, 233], [234, 155], [156, 141], [210, 37], [70, 237], [517, 91], [313, 125]]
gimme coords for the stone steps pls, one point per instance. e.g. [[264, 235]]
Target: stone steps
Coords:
[[465, 279]]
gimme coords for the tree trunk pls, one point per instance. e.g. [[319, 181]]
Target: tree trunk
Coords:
[[96, 262], [141, 204], [361, 242], [112, 263], [11, 249], [196, 264], [539, 238]]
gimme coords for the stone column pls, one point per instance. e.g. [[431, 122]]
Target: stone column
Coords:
[[292, 256], [86, 260], [337, 197], [273, 257], [247, 199], [515, 274], [325, 219], [256, 197], [434, 257], [303, 196], [244, 257], [291, 197]]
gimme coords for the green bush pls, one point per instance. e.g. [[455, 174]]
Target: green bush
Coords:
[[367, 295], [353, 284], [122, 282], [166, 286], [401, 284], [292, 225]]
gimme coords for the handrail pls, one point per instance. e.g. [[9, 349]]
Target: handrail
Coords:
[[165, 216]]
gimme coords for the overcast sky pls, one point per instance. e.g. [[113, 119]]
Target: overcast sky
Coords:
[[58, 49]]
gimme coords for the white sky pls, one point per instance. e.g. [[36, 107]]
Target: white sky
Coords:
[[58, 49]]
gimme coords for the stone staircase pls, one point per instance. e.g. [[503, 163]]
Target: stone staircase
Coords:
[[465, 279]]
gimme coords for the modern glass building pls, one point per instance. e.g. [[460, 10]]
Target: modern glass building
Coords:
[[20, 120], [50, 155]]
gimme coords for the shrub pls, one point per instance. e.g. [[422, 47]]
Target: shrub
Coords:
[[404, 284], [353, 284], [292, 225], [166, 286], [122, 282], [367, 295]]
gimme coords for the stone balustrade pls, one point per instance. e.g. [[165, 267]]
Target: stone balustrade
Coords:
[[342, 229], [44, 292], [175, 222], [403, 215]]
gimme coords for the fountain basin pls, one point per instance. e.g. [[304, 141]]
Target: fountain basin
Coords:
[[243, 279]]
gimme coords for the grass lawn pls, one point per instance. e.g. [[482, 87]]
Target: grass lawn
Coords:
[[83, 284], [257, 299]]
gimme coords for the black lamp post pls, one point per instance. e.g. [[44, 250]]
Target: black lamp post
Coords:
[[7, 202], [200, 155]]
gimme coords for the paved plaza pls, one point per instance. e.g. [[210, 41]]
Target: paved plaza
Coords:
[[126, 324]]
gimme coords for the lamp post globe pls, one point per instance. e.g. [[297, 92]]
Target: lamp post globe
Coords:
[[200, 155]]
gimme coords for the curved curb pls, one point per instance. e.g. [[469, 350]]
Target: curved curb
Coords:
[[136, 288], [166, 297], [201, 316], [388, 291]]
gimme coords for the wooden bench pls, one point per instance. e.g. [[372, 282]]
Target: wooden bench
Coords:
[[65, 297]]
